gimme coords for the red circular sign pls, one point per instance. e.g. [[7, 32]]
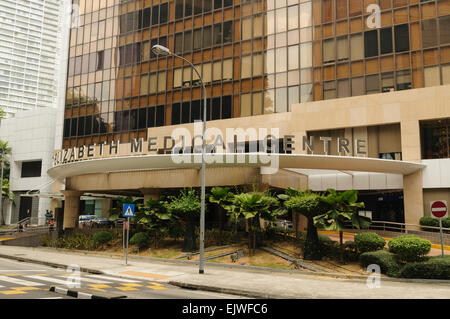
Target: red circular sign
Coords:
[[438, 209]]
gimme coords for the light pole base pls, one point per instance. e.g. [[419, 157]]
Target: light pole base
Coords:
[[201, 271]]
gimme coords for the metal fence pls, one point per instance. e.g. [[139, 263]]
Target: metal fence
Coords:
[[393, 229]]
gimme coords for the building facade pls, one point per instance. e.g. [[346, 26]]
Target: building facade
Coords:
[[375, 71], [32, 40]]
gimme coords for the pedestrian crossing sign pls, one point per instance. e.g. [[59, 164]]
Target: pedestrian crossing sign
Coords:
[[128, 210]]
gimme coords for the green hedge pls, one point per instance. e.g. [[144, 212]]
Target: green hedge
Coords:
[[383, 258], [102, 237], [434, 268], [367, 241], [141, 239], [430, 221], [409, 248]]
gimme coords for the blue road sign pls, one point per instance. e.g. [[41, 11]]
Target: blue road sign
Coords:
[[128, 210]]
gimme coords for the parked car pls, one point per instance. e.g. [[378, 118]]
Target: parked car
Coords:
[[286, 224], [102, 222], [85, 220]]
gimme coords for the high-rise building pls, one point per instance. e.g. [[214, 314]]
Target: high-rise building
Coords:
[[367, 79], [31, 42]]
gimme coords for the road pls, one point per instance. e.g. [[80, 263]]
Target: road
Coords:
[[20, 280]]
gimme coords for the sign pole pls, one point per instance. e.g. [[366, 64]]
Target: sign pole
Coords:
[[128, 235], [442, 236], [123, 237]]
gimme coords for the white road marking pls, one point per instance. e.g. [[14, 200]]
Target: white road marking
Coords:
[[94, 281], [20, 281], [114, 278], [58, 281]]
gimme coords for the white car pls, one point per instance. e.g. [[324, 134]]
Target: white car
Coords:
[[85, 220]]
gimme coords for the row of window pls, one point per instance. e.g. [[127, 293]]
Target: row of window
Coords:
[[144, 18], [203, 38], [136, 119], [119, 121], [189, 112], [187, 8]]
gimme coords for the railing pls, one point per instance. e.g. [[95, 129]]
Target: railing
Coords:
[[393, 229]]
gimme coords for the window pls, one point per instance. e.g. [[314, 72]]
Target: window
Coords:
[[357, 86], [386, 40], [403, 80], [429, 33], [179, 9], [293, 53], [356, 46], [401, 38], [217, 35], [207, 36], [197, 39], [342, 49], [329, 51], [372, 84], [370, 43], [343, 88], [293, 17], [435, 139], [31, 169], [444, 29], [446, 74], [387, 82], [431, 75], [228, 32], [329, 90], [246, 29], [179, 43], [187, 41]]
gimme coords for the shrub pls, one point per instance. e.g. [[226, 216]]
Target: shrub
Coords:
[[409, 248], [324, 238], [350, 251], [383, 258], [367, 241], [430, 221], [140, 239], [434, 268], [102, 237]]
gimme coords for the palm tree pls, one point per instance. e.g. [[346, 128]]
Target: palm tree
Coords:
[[342, 208], [155, 218], [187, 208], [308, 204], [253, 206], [221, 196]]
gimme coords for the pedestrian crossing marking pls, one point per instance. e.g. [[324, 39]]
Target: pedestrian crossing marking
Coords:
[[156, 286], [50, 279], [129, 286], [113, 278], [94, 281], [99, 287], [18, 290], [17, 281]]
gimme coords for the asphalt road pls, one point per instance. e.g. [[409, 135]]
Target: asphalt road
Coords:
[[20, 280]]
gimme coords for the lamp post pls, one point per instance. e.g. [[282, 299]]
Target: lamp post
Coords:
[[161, 50]]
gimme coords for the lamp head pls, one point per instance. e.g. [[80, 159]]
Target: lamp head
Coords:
[[160, 50]]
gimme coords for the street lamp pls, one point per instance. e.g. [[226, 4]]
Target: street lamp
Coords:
[[161, 50]]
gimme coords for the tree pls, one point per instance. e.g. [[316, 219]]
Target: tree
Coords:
[[187, 208], [288, 194], [155, 219], [117, 210], [5, 192], [253, 206], [342, 208], [308, 204], [222, 197]]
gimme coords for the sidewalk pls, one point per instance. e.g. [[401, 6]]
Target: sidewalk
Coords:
[[234, 280]]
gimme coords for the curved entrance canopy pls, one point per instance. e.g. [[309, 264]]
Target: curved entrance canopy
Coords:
[[280, 161]]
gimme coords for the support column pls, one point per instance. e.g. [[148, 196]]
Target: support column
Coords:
[[153, 193], [106, 207], [71, 208], [413, 183]]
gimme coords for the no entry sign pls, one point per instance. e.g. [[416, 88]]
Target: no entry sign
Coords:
[[439, 208]]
